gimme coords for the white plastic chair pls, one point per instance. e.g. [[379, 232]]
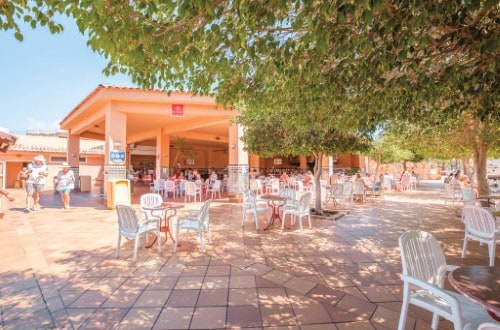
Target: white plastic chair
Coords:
[[348, 191], [303, 209], [291, 199], [213, 189], [198, 221], [489, 326], [159, 186], [131, 227], [191, 191], [336, 193], [252, 204], [170, 188], [151, 200], [424, 269], [469, 197], [480, 226], [256, 186], [358, 191], [452, 193]]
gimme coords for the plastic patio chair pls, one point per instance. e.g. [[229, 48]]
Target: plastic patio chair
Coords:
[[424, 270], [151, 200], [198, 221], [480, 226], [191, 190], [251, 204], [130, 226], [303, 209]]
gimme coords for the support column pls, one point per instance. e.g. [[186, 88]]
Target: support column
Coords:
[[238, 164], [115, 145], [254, 163], [162, 155], [73, 156], [303, 163]]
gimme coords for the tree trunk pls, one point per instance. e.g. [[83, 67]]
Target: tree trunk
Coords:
[[377, 166], [480, 158], [318, 167], [466, 168]]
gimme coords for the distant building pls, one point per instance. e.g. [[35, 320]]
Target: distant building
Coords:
[[54, 149]]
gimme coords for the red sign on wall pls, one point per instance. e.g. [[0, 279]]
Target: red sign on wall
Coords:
[[177, 110]]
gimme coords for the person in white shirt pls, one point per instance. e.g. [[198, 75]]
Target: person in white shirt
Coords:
[[35, 183], [65, 183]]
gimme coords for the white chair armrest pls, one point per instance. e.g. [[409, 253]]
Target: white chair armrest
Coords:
[[435, 290], [450, 268]]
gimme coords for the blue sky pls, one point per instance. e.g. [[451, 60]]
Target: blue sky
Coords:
[[45, 76]]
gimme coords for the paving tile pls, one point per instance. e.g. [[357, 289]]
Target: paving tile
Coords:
[[258, 269], [162, 283], [174, 318], [139, 318], [183, 298], [378, 293], [213, 297], [270, 296], [310, 313], [241, 297], [243, 316], [277, 276], [189, 282], [209, 318], [104, 318], [243, 281], [299, 285], [152, 298], [78, 316], [277, 315], [89, 299], [216, 282], [121, 299], [218, 270]]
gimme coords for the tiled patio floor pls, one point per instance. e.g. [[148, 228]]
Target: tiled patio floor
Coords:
[[58, 270]]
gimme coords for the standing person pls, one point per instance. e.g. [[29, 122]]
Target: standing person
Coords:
[[35, 183], [65, 183], [22, 176]]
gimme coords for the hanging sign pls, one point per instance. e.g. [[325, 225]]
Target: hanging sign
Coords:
[[177, 110]]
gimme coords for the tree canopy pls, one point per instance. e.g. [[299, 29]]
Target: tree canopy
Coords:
[[362, 63]]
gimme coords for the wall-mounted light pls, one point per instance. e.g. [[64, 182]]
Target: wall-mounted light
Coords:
[[73, 155], [117, 145], [233, 146]]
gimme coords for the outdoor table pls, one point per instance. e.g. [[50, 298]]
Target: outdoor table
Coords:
[[274, 202], [480, 284], [165, 221], [489, 198]]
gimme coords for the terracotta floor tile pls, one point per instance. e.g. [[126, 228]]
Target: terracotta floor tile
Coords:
[[271, 296], [78, 316], [277, 276], [243, 316], [183, 298], [218, 270], [299, 285], [89, 299], [243, 281], [152, 298], [310, 313], [174, 318], [213, 297], [209, 318], [162, 283], [121, 299], [216, 282], [104, 318], [189, 282], [240, 297], [277, 315], [194, 270], [140, 318], [378, 293]]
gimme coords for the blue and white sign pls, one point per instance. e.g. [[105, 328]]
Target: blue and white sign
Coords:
[[117, 156]]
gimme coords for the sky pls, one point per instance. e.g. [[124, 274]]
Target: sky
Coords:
[[45, 76]]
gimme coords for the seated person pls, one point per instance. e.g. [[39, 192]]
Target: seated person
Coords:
[[307, 178], [284, 177]]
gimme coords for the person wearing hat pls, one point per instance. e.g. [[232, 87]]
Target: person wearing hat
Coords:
[[35, 183], [65, 182]]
